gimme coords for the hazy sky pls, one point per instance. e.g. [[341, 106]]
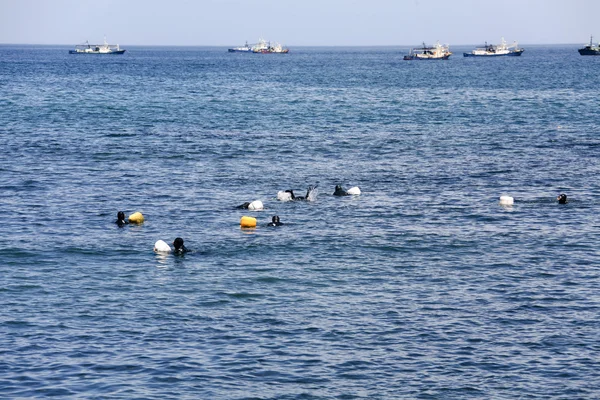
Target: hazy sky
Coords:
[[298, 22]]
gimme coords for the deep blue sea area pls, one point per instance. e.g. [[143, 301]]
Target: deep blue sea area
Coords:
[[422, 287]]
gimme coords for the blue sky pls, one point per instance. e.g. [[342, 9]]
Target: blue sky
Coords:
[[298, 22]]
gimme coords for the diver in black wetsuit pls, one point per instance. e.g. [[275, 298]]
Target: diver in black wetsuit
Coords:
[[244, 206], [562, 198], [121, 221], [339, 191], [275, 221], [179, 247], [303, 198]]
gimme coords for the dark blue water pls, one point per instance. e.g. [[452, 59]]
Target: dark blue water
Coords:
[[422, 287]]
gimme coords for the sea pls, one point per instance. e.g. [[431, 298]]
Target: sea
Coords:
[[421, 287]]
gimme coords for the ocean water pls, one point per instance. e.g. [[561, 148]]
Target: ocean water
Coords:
[[422, 287]]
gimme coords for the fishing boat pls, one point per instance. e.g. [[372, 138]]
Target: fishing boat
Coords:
[[491, 50], [437, 52], [590, 49], [242, 49], [265, 47], [104, 48], [272, 48], [262, 46]]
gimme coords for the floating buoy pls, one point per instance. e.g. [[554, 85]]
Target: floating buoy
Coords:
[[136, 218], [353, 191], [507, 200], [248, 222], [256, 205], [285, 195], [161, 247]]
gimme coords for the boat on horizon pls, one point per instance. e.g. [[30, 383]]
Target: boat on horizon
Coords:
[[436, 52], [590, 49], [105, 48], [242, 49], [498, 50], [271, 48], [262, 46]]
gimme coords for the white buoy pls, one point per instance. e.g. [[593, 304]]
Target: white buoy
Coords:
[[507, 201], [256, 205], [282, 195], [355, 191], [161, 247]]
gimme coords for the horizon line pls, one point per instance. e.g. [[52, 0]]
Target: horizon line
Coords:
[[287, 45]]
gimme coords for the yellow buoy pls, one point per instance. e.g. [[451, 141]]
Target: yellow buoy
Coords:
[[248, 222], [136, 218]]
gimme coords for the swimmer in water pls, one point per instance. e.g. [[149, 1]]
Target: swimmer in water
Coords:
[[121, 221], [179, 247], [244, 206], [309, 191], [562, 198], [339, 191], [275, 221]]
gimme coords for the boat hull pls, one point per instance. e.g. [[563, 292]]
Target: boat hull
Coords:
[[96, 52], [410, 58], [511, 54], [589, 52], [272, 52]]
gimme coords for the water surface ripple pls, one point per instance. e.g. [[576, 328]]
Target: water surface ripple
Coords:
[[422, 287]]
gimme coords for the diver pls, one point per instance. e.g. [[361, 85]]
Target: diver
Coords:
[[121, 221], [339, 191], [562, 198], [353, 191], [179, 247], [275, 221], [309, 191]]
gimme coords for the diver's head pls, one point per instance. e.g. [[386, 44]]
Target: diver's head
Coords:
[[178, 243], [339, 191], [121, 216], [275, 220], [562, 198]]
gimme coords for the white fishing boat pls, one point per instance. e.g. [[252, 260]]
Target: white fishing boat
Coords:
[[502, 49], [261, 47], [437, 52], [104, 48], [242, 49], [272, 48]]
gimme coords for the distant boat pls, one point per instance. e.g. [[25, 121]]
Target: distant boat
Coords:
[[104, 48], [590, 49], [242, 49], [261, 47], [437, 52], [270, 48], [491, 50]]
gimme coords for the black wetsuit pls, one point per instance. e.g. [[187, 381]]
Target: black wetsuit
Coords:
[[562, 199], [339, 191], [275, 222]]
